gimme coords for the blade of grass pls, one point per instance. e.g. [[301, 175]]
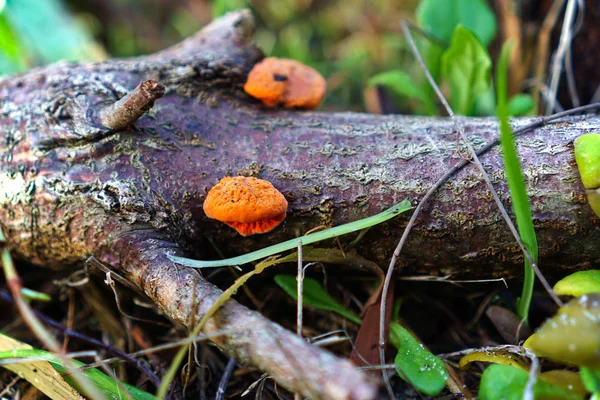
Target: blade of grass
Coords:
[[293, 243], [516, 182]]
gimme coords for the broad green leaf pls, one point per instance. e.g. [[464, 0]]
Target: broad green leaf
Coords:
[[105, 383], [485, 104], [571, 336], [495, 357], [221, 7], [400, 83], [441, 17], [516, 182], [466, 65], [587, 155], [520, 104], [315, 296], [12, 58], [417, 365], [502, 382], [579, 283], [9, 45], [70, 40], [591, 379], [40, 374], [568, 380], [593, 196]]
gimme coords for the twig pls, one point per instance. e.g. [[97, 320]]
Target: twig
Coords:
[[570, 74], [300, 291], [300, 298], [132, 106], [225, 379], [543, 43], [565, 40]]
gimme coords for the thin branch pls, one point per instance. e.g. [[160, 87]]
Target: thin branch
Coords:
[[565, 41], [542, 49], [132, 106], [225, 378], [300, 291]]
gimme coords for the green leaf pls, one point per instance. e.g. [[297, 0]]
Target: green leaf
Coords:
[[572, 336], [508, 383], [293, 243], [441, 17], [587, 155], [315, 296], [591, 379], [466, 65], [400, 83], [496, 357], [516, 182], [12, 58], [106, 384], [70, 39], [417, 365], [579, 283], [520, 104]]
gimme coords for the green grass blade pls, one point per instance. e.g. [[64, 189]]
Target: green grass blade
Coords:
[[293, 243], [516, 182]]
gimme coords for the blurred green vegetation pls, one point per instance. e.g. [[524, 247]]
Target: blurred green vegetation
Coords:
[[348, 41]]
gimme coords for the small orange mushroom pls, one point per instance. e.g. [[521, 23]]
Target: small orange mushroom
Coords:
[[248, 205], [289, 82]]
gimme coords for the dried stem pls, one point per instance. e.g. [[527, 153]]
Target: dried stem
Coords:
[[132, 106]]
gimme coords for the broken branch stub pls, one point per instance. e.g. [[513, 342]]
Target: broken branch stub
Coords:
[[132, 106]]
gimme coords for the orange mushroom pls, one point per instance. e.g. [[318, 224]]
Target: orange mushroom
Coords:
[[248, 205], [279, 80]]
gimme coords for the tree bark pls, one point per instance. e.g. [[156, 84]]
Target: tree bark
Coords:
[[73, 186]]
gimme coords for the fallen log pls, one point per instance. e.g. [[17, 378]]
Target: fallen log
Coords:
[[83, 173]]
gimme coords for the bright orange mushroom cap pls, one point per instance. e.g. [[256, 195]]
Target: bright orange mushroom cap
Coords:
[[249, 205], [280, 80]]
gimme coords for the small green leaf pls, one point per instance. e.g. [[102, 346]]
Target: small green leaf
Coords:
[[579, 283], [587, 155], [466, 65], [591, 379], [441, 17], [572, 335], [315, 296], [520, 104], [32, 295], [400, 83], [508, 383], [415, 364], [568, 380], [496, 357]]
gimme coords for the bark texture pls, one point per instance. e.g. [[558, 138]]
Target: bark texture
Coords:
[[70, 187]]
